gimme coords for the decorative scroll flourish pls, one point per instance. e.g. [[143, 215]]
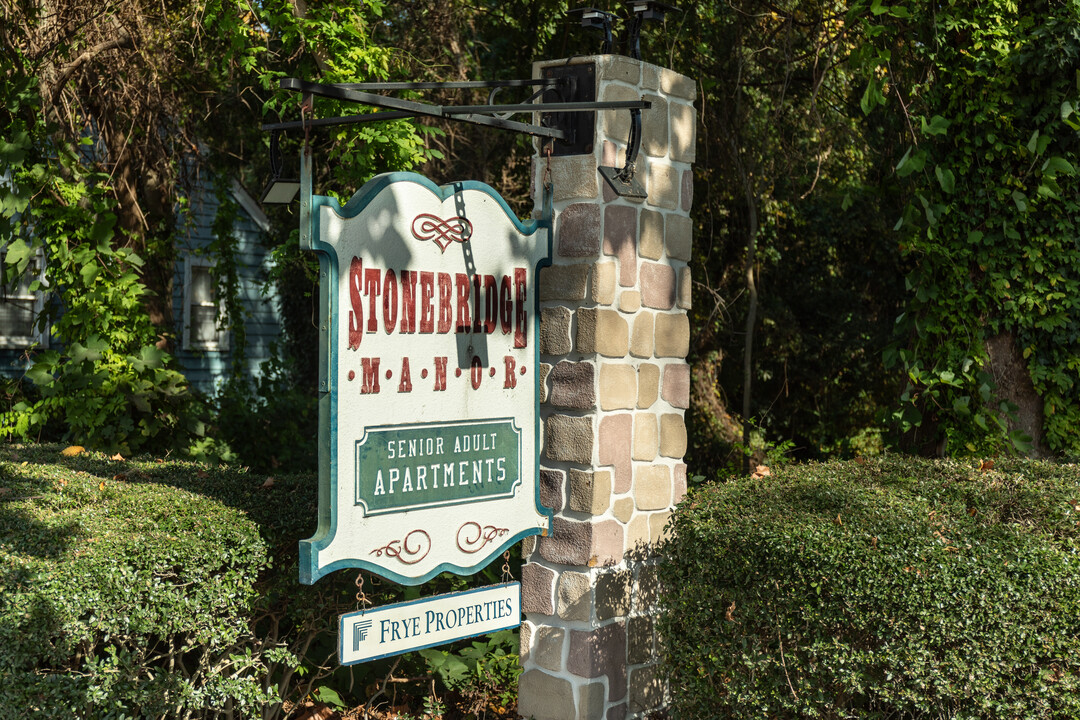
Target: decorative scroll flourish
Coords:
[[408, 551], [443, 232], [483, 535]]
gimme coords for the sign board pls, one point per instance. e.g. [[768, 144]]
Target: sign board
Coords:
[[429, 376], [402, 627]]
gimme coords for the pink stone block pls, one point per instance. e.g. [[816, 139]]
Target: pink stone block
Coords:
[[657, 286], [608, 543], [687, 190], [616, 446], [620, 240], [676, 389], [600, 652]]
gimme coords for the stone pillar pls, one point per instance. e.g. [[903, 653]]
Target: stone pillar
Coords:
[[615, 384]]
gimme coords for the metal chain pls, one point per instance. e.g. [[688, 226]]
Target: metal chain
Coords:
[[506, 576], [548, 148], [362, 601]]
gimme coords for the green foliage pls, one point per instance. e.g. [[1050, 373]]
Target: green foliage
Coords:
[[484, 668], [154, 589], [883, 588], [270, 425], [123, 597], [988, 93]]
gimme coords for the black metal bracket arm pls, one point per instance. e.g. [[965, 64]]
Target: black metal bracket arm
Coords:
[[644, 10], [492, 115], [625, 182], [601, 20]]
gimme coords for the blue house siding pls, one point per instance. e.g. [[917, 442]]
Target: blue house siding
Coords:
[[207, 369]]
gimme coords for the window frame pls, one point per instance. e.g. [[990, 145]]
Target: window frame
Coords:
[[37, 337], [221, 343]]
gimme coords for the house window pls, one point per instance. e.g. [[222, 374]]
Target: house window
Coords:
[[202, 308], [21, 304]]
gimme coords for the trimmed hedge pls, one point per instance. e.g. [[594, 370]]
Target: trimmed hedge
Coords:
[[886, 588]]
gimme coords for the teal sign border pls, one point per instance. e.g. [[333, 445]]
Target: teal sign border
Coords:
[[328, 382]]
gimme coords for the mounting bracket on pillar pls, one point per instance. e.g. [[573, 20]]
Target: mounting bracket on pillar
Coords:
[[624, 181]]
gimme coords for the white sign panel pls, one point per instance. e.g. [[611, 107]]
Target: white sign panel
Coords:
[[428, 422], [394, 629]]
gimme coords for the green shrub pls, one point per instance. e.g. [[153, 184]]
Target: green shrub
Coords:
[[886, 588]]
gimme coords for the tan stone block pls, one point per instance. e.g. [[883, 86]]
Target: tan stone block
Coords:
[[646, 437], [603, 283], [555, 331], [652, 487], [524, 640], [687, 200], [537, 583], [683, 120], [680, 483], [564, 282], [590, 491], [623, 509], [545, 369], [574, 596], [641, 344], [672, 435], [615, 124], [650, 76], [568, 439], [682, 87], [609, 155], [672, 335], [618, 386], [686, 289], [637, 532], [602, 331], [629, 301], [651, 235], [574, 177], [547, 647], [662, 185], [654, 127], [619, 68], [648, 385], [678, 236], [545, 697], [658, 527], [658, 285], [591, 700]]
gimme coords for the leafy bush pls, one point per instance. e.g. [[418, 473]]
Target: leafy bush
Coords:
[[157, 588], [886, 588]]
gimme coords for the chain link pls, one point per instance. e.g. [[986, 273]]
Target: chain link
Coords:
[[506, 575], [362, 601]]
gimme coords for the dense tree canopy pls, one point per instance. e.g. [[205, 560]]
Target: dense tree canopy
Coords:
[[885, 249]]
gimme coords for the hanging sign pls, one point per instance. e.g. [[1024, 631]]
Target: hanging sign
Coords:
[[429, 376], [393, 629]]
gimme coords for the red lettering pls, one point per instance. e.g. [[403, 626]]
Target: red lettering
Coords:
[[463, 320], [371, 375], [521, 316], [440, 373], [506, 305], [406, 377], [427, 312], [372, 287], [476, 304], [446, 302], [408, 301], [356, 315], [476, 370], [389, 302], [511, 378], [491, 304]]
